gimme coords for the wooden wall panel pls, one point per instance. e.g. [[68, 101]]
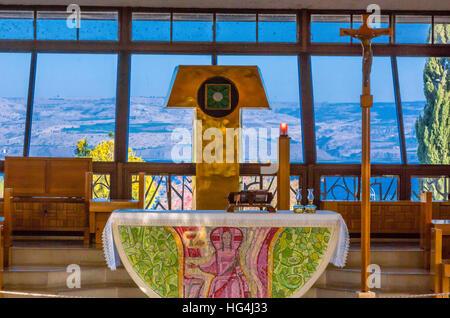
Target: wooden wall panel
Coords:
[[441, 210], [402, 217]]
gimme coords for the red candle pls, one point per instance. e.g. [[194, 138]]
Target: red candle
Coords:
[[283, 129]]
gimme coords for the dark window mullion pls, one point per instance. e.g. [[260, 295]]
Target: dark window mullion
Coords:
[[398, 103], [432, 30], [257, 27], [214, 27], [34, 25], [307, 110], [171, 27], [30, 101]]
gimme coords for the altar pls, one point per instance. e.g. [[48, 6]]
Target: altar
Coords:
[[199, 254]]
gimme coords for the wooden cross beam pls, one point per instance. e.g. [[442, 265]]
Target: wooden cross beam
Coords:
[[365, 34], [365, 31]]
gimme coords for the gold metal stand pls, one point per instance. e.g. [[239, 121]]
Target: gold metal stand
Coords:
[[284, 173]]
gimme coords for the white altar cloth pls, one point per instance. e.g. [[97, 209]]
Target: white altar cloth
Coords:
[[221, 218]]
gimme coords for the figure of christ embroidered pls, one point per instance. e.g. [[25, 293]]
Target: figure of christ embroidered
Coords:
[[229, 280], [232, 263]]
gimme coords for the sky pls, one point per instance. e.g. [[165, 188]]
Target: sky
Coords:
[[76, 75]]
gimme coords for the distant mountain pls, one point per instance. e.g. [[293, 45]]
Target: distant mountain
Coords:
[[59, 123]]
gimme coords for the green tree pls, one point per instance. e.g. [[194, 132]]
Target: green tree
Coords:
[[82, 149], [104, 151], [433, 128]]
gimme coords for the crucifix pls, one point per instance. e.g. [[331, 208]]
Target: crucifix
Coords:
[[365, 34]]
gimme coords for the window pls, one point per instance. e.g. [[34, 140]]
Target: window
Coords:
[[16, 25], [384, 129], [269, 183], [181, 192], [101, 186], [384, 188], [15, 70], [280, 76], [410, 73], [192, 27], [151, 125], [99, 26], [345, 188], [235, 27], [338, 111], [339, 188], [422, 87], [438, 186], [441, 23], [412, 29], [326, 28], [277, 28], [151, 26], [74, 106], [52, 25], [158, 188]]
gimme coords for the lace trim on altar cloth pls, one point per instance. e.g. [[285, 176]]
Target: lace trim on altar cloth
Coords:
[[111, 257], [339, 258]]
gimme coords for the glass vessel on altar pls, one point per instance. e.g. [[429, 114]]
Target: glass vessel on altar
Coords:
[[310, 208], [299, 208]]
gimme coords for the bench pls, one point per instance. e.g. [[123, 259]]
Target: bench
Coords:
[[44, 194], [430, 213], [440, 266], [100, 210]]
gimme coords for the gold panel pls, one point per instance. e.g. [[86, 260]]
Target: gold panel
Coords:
[[189, 78], [214, 181]]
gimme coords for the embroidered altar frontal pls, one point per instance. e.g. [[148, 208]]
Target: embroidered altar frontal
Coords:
[[229, 260]]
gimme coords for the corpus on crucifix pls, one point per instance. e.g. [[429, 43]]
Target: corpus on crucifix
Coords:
[[365, 34]]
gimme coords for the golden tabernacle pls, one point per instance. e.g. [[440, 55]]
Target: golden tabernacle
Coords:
[[217, 93]]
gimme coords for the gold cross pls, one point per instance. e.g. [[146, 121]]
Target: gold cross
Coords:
[[365, 34]]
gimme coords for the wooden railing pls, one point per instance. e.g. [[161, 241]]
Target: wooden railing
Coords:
[[310, 174]]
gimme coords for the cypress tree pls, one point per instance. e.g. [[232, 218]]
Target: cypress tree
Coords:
[[433, 128]]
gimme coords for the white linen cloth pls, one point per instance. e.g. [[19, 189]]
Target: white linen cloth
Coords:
[[221, 218]]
